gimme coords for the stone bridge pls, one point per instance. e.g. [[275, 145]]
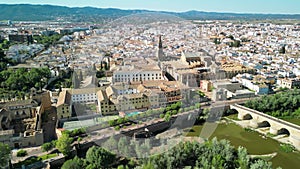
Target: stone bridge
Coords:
[[276, 126]]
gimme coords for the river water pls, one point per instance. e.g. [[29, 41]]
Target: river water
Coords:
[[253, 141]]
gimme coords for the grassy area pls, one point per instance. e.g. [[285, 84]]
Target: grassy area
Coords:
[[270, 134], [47, 156], [233, 117]]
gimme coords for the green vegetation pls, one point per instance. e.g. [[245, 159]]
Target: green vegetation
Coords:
[[211, 154], [75, 163], [282, 105], [48, 146], [232, 116], [63, 144], [217, 41], [48, 40], [270, 134], [4, 62], [5, 44], [287, 148], [118, 121], [47, 156], [75, 132], [235, 43], [96, 157], [248, 129], [21, 153], [253, 141], [282, 50], [65, 81], [165, 113], [15, 83], [33, 159], [5, 154]]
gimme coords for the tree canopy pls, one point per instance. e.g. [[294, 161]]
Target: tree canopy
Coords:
[[283, 104], [63, 144], [5, 154], [210, 154], [75, 163], [98, 157]]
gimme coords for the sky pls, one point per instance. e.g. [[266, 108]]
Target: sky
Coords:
[[236, 6]]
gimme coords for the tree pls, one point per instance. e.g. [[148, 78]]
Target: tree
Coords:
[[282, 50], [261, 164], [243, 158], [47, 146], [148, 166], [123, 146], [111, 144], [75, 163], [5, 154], [217, 41], [99, 157], [167, 117], [63, 144], [235, 43]]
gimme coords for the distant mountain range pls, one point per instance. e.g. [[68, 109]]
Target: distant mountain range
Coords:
[[27, 12]]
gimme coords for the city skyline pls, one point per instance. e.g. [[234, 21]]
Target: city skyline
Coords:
[[234, 6]]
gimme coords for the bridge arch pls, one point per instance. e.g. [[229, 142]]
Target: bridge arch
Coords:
[[247, 117], [264, 124], [283, 131], [232, 111]]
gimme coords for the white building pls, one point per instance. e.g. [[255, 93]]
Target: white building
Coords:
[[133, 74], [86, 95]]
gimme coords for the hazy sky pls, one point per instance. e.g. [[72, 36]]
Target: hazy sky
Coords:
[[239, 6]]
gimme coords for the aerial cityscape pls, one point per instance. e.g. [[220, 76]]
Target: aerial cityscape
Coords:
[[149, 85]]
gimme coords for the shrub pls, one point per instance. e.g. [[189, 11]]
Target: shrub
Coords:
[[21, 153], [117, 128], [287, 148], [47, 146]]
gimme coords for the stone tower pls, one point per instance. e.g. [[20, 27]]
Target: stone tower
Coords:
[[160, 53]]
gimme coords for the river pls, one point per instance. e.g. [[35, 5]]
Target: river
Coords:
[[253, 141]]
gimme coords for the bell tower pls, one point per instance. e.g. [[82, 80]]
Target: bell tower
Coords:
[[160, 53]]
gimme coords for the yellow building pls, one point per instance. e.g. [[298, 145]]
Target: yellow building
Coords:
[[64, 106]]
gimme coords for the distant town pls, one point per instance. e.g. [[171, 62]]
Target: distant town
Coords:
[[68, 86]]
